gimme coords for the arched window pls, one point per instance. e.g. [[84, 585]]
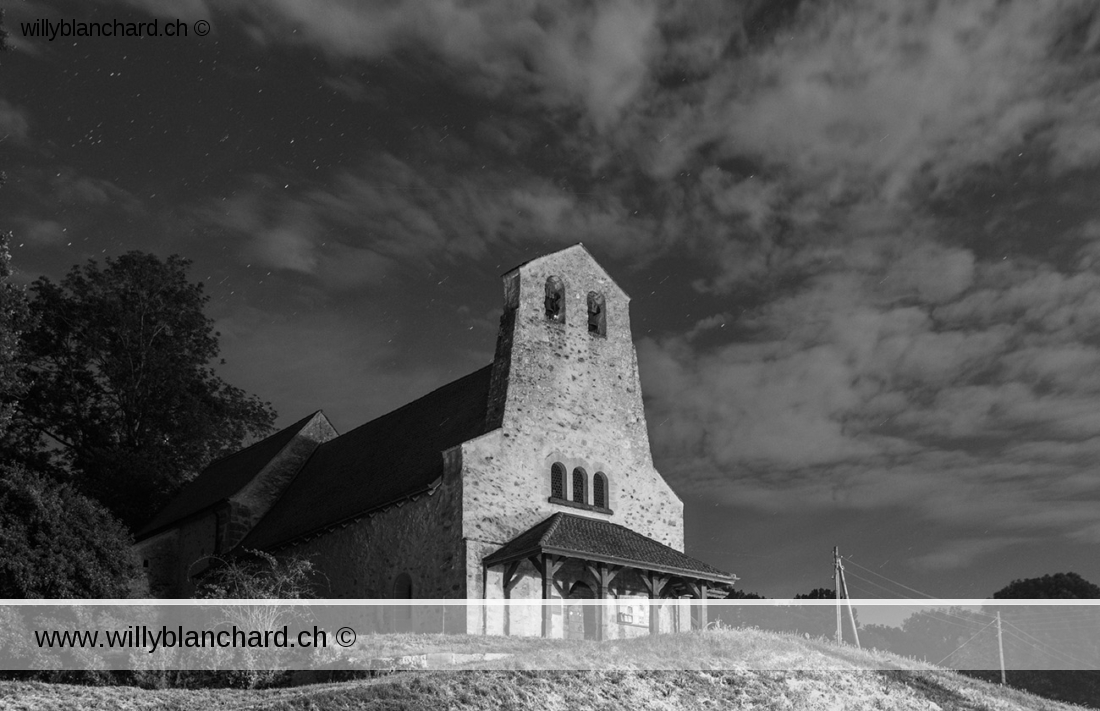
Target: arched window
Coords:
[[597, 314], [557, 481], [599, 490], [555, 300], [580, 486], [403, 587]]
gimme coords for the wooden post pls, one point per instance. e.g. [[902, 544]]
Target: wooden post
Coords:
[[851, 615], [1001, 648], [836, 594], [698, 590], [604, 575], [703, 605], [548, 566], [655, 585]]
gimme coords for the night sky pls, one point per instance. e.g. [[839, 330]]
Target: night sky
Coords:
[[862, 237]]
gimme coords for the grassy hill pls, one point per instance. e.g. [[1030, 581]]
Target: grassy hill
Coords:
[[732, 669]]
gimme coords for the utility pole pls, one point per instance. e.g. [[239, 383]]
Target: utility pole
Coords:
[[1001, 647], [851, 615], [836, 593]]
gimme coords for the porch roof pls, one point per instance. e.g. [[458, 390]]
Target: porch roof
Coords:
[[592, 539]]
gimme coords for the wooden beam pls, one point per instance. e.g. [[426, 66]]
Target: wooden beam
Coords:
[[654, 583], [603, 573], [510, 579]]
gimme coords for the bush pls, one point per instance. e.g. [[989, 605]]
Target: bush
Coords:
[[58, 543]]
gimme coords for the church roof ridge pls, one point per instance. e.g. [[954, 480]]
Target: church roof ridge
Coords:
[[387, 459], [224, 477]]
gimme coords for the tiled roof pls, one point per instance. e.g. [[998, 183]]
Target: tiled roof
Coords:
[[377, 464], [593, 539], [222, 478]]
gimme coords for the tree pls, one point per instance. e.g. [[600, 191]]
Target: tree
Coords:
[[58, 543], [818, 594], [120, 383], [1049, 587]]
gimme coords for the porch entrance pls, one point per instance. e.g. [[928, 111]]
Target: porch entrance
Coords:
[[580, 619]]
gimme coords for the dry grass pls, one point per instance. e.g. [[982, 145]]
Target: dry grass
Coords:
[[796, 674]]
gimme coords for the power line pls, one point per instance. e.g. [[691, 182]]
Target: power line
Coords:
[[865, 594], [1065, 655], [872, 582], [965, 643], [933, 597], [1050, 651]]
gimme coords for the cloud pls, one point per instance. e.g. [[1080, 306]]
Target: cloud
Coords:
[[592, 57], [912, 376], [187, 10], [389, 211], [963, 553], [72, 188], [877, 353], [14, 124], [41, 232]]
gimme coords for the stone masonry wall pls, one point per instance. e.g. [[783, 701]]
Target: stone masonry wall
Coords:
[[421, 538]]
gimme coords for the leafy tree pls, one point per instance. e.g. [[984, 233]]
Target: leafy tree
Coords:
[[934, 634], [58, 543], [818, 594], [1059, 585], [121, 385], [742, 595]]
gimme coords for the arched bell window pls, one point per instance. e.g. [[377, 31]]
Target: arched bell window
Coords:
[[580, 486], [555, 300], [557, 481], [597, 314], [599, 490]]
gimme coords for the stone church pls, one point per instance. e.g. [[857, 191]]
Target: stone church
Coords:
[[530, 478]]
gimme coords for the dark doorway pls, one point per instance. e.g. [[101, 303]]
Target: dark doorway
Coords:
[[402, 614], [581, 619]]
